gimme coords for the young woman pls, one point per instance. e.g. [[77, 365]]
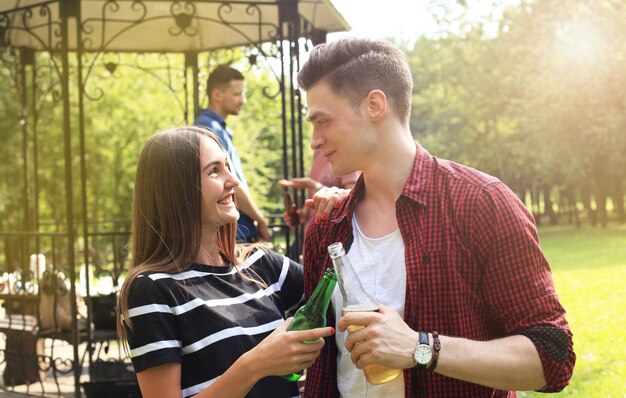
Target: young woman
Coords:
[[202, 316]]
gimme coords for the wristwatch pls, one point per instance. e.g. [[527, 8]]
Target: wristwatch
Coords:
[[423, 353]]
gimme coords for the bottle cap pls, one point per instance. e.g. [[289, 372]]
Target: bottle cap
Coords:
[[336, 250]]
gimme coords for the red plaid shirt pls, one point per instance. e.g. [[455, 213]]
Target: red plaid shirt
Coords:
[[474, 269]]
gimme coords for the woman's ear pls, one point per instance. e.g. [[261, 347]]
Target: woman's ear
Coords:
[[376, 105]]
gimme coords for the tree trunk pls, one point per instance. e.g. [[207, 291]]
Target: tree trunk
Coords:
[[570, 206], [548, 206], [617, 195], [601, 197], [534, 194], [585, 196]]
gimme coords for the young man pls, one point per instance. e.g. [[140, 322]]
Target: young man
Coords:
[[225, 90], [450, 253]]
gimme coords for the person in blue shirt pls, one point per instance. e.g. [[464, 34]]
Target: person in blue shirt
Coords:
[[226, 94]]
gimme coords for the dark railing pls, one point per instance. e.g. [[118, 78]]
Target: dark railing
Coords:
[[51, 273]]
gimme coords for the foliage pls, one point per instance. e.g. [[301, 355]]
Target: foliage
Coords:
[[127, 98], [12, 140], [534, 96], [538, 101]]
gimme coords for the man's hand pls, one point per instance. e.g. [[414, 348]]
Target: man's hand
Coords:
[[302, 215], [300, 183], [385, 339]]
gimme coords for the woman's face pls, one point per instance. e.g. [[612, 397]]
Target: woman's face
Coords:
[[218, 186]]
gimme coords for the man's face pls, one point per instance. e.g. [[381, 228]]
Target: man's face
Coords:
[[232, 98], [339, 132]]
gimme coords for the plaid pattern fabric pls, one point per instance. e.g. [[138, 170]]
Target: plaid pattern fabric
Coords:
[[474, 269]]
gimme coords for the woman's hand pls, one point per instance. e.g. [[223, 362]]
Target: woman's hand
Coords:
[[284, 352], [325, 200]]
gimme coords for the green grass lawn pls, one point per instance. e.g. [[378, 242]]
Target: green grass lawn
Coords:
[[589, 270]]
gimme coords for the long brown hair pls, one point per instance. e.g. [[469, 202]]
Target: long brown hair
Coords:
[[166, 224]]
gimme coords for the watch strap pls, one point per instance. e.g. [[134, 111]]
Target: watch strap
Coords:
[[436, 348], [423, 339]]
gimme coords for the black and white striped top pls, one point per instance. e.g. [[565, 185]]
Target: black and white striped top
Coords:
[[207, 317]]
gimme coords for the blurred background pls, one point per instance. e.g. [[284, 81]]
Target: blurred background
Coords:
[[532, 92]]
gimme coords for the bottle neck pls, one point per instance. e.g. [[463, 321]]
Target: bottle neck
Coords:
[[350, 284], [323, 292]]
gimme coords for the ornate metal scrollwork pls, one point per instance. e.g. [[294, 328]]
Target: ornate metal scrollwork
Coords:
[[5, 40], [183, 15], [56, 79], [48, 83], [225, 13], [109, 11]]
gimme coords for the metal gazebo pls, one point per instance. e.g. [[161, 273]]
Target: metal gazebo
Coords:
[[50, 48]]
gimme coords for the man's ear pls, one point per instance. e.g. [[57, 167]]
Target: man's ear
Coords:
[[376, 105], [215, 95]]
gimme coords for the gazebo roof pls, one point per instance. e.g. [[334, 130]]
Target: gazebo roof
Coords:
[[161, 25]]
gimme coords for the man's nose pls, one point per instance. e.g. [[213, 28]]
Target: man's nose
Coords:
[[316, 142]]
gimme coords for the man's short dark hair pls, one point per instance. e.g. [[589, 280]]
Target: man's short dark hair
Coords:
[[355, 66], [221, 76]]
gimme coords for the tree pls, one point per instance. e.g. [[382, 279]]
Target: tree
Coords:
[[537, 102]]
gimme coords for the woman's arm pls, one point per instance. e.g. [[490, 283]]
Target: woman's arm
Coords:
[[280, 353], [160, 381]]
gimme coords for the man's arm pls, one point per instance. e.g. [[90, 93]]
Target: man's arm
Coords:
[[510, 363], [246, 204], [536, 350]]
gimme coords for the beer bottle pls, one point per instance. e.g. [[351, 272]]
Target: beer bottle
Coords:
[[291, 209], [357, 299], [313, 314], [353, 294]]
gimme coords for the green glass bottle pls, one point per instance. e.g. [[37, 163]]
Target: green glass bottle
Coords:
[[313, 314]]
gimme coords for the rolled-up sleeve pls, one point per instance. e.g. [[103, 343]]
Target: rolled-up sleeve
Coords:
[[518, 282]]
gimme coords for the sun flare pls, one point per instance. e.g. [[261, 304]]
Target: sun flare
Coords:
[[580, 43]]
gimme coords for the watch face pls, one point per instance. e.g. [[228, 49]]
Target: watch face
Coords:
[[423, 354]]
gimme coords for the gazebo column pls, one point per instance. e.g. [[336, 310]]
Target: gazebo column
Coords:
[[191, 62], [293, 158], [69, 9]]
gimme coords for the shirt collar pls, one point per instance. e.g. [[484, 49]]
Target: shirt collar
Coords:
[[415, 188], [418, 183], [215, 116]]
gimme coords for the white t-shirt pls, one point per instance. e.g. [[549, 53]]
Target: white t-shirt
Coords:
[[381, 269]]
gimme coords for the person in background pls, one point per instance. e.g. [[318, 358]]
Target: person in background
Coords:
[[226, 94], [450, 254], [202, 315], [320, 176]]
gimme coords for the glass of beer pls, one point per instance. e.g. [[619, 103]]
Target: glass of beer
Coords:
[[374, 374]]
